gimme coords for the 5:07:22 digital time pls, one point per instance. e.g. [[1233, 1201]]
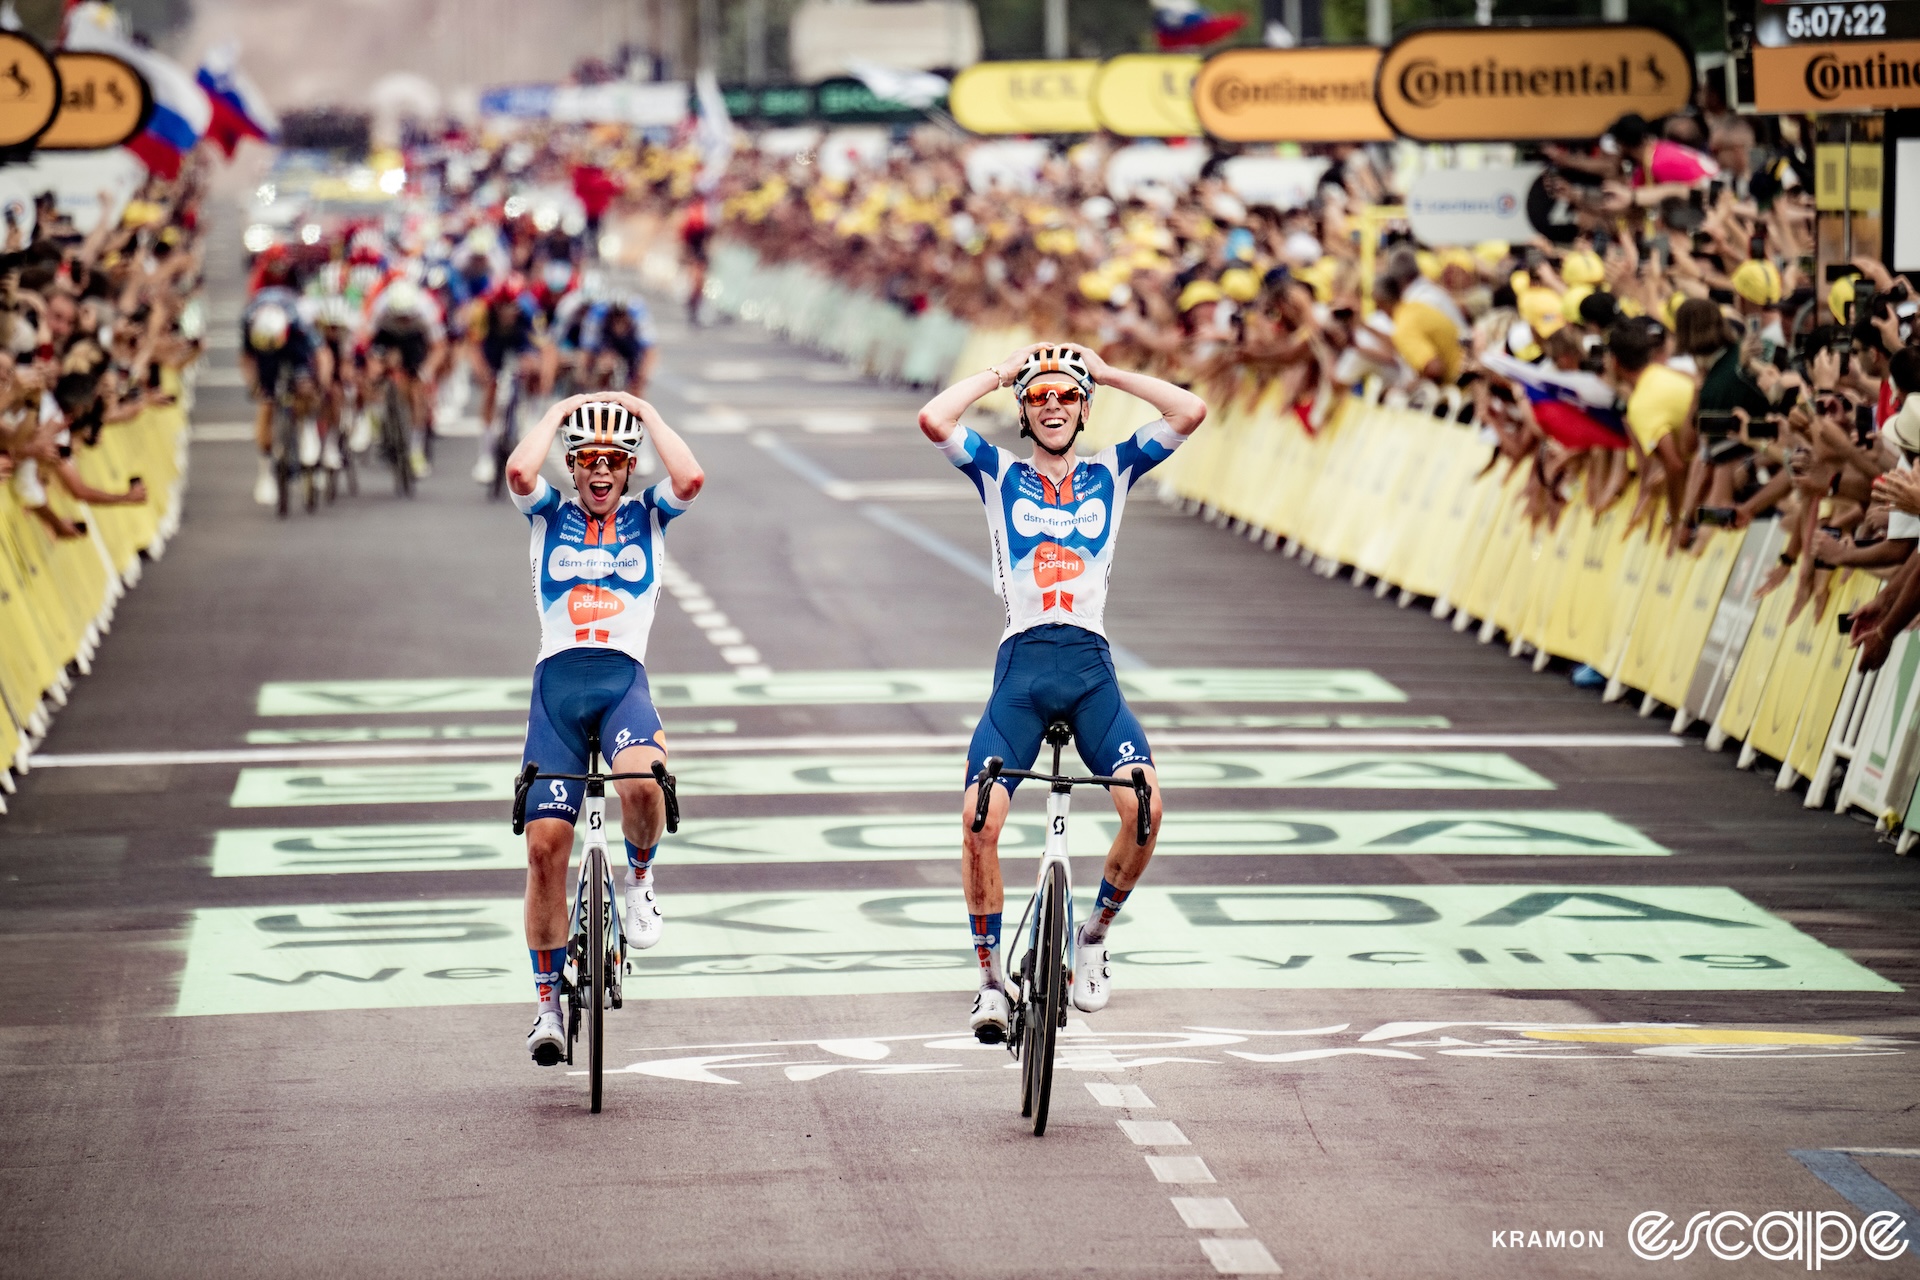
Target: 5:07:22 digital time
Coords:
[[1836, 21]]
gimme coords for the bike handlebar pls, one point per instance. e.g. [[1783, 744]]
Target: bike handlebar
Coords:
[[1138, 784], [669, 792]]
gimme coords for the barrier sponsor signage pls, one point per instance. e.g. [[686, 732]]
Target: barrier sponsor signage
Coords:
[[1147, 95], [1492, 84], [1291, 95], [1869, 75], [1466, 206], [1025, 97], [265, 959], [103, 103], [29, 90], [843, 100]]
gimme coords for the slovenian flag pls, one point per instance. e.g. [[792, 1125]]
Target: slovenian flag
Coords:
[[1183, 24], [182, 112], [239, 111], [1578, 409]]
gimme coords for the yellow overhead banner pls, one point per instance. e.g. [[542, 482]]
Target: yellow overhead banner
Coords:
[[1517, 84], [1291, 95], [1025, 97], [103, 103], [29, 90], [1147, 95], [1869, 74]]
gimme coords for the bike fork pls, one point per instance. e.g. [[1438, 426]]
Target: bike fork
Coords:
[[1058, 802]]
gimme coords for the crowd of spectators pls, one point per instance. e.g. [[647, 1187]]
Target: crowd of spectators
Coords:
[[87, 323], [1714, 375]]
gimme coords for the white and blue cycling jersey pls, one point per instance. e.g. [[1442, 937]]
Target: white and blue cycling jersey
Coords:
[[596, 583], [1053, 544]]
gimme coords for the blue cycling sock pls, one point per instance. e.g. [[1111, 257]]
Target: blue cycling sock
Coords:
[[546, 975], [1105, 907], [640, 861], [986, 945]]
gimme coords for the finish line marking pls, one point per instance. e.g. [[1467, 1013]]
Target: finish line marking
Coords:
[[320, 753]]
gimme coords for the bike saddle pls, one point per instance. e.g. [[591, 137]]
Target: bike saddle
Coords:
[[1059, 733]]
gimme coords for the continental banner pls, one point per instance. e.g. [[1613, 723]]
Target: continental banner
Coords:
[[1025, 97], [1492, 84], [103, 103], [1868, 75], [32, 96], [1291, 95], [1147, 95]]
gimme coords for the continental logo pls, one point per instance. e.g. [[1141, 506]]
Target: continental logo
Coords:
[[1815, 77], [1480, 84], [1426, 83], [1297, 95]]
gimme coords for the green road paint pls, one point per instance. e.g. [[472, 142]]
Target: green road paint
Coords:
[[1465, 937], [491, 846], [436, 733], [821, 688], [845, 774]]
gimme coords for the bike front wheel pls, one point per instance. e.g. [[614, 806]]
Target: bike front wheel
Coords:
[[597, 915], [1045, 994]]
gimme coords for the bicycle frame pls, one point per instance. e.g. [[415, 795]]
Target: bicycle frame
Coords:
[[593, 812]]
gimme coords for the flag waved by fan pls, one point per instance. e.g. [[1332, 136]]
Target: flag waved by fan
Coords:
[[1578, 409], [1183, 24], [239, 109], [182, 112]]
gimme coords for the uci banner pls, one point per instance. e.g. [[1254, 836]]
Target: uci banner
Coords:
[[1522, 84]]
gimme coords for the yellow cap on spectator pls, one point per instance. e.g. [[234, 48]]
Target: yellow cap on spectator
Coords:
[[1459, 258], [1319, 278], [1198, 293], [1758, 281], [1095, 287], [1840, 296], [141, 212], [1491, 252], [1541, 309], [1428, 262], [1570, 300], [1904, 426], [1240, 283], [1583, 266]]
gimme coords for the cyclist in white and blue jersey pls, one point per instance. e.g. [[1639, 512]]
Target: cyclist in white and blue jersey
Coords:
[[596, 584], [1052, 520]]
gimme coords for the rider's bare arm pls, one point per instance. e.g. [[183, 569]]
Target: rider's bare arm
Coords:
[[682, 467], [940, 416], [1183, 410], [523, 466]]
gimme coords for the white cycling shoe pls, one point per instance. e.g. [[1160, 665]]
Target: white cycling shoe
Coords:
[[547, 1042], [1091, 981], [483, 467], [266, 490], [330, 451], [989, 1020], [309, 445], [644, 924]]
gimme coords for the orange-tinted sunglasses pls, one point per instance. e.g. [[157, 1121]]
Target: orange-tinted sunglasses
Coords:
[[1037, 396], [590, 459]]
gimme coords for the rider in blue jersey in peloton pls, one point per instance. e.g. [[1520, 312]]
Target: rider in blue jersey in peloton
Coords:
[[596, 583], [1052, 521]]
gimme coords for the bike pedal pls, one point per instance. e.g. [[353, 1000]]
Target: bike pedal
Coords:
[[989, 1034], [547, 1055]]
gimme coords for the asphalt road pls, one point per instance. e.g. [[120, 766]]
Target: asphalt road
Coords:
[[1437, 950]]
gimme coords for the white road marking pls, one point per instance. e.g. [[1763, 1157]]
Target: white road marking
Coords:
[[899, 491], [220, 432], [1239, 1256], [1211, 1213], [1180, 1169], [836, 424], [220, 376], [832, 742], [699, 607], [1154, 1133], [1120, 1095]]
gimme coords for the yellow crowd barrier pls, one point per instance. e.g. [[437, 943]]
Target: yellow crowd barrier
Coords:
[[1409, 498], [57, 595]]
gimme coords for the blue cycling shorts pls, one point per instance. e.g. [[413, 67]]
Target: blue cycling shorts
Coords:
[[1056, 672], [577, 692]]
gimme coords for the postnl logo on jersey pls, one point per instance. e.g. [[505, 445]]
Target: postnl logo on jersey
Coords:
[[588, 604], [1054, 564], [1031, 520], [567, 563]]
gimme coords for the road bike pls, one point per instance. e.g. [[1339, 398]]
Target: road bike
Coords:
[[596, 941], [292, 406], [1042, 975]]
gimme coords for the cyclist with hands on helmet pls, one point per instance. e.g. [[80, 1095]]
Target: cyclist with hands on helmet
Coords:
[[1052, 519], [596, 578]]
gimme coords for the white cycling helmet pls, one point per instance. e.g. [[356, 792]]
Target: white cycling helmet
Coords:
[[1055, 360], [267, 328], [602, 424]]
